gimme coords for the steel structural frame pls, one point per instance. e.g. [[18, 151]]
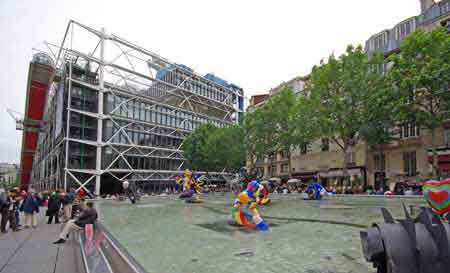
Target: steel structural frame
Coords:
[[121, 74]]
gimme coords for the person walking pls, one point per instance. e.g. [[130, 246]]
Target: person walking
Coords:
[[67, 201], [5, 203], [88, 216], [19, 199], [30, 206], [54, 205], [13, 208]]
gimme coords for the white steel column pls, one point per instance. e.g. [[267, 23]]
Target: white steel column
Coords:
[[69, 101], [98, 165]]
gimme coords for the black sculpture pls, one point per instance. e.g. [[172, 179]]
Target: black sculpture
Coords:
[[420, 245]]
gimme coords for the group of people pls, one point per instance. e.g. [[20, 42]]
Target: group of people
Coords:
[[60, 202], [69, 205], [13, 203]]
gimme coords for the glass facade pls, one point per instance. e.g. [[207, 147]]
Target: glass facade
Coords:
[[118, 122], [141, 110], [198, 85]]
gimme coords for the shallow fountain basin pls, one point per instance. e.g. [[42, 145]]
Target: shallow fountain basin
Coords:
[[167, 235]]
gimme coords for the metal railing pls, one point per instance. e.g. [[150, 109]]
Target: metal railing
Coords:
[[102, 253]]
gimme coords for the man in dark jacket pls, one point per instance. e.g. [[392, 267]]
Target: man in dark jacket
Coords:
[[5, 203], [30, 207], [13, 209], [87, 216], [54, 204]]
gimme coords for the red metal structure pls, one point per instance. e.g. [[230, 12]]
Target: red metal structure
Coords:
[[40, 75]]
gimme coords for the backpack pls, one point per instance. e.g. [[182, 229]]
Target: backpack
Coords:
[[68, 199]]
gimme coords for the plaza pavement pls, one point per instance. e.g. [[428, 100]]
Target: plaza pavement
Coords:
[[31, 251]]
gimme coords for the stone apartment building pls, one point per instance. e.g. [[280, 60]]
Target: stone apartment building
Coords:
[[8, 173], [257, 101], [407, 159], [275, 165]]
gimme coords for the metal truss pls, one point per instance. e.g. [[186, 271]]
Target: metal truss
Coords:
[[128, 74]]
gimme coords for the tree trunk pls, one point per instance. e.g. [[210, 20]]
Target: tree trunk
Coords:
[[344, 167], [366, 163], [288, 153], [252, 162], [434, 152]]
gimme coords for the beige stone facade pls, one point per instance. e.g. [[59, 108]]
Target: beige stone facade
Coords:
[[404, 160], [396, 159], [326, 165]]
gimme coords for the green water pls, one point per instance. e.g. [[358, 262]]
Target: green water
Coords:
[[167, 235]]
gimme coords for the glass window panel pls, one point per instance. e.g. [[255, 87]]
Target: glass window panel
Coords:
[[146, 114]]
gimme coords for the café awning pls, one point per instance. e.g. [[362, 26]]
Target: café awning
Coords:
[[294, 181], [340, 173]]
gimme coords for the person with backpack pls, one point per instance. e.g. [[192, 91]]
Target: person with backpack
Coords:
[[67, 202], [30, 206]]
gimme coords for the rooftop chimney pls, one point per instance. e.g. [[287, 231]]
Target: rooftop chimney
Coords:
[[426, 4]]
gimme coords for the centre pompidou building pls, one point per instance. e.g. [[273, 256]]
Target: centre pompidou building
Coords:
[[115, 111]]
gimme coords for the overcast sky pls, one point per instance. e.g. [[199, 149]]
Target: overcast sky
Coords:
[[255, 44]]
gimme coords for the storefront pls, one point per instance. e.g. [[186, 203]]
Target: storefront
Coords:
[[334, 178], [443, 160], [305, 177]]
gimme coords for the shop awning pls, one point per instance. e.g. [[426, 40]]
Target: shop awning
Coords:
[[340, 173], [294, 181], [304, 175], [441, 158]]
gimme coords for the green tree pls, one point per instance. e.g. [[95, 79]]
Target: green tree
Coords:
[[214, 149], [195, 149], [258, 134], [420, 74], [305, 129], [226, 149], [288, 129], [272, 127], [346, 94]]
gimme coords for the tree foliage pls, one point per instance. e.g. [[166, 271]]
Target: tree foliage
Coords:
[[346, 95], [214, 149], [258, 134], [276, 126], [420, 75], [348, 99]]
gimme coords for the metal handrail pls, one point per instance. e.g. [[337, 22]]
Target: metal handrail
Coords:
[[107, 252]]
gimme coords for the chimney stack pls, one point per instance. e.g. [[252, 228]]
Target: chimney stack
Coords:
[[426, 4]]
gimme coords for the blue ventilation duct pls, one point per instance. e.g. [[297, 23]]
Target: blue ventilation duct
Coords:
[[216, 79]]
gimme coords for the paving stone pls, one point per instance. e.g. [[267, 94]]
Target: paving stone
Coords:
[[32, 250]]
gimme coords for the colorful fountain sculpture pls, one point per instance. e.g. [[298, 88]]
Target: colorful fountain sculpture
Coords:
[[192, 188], [437, 195], [413, 245]]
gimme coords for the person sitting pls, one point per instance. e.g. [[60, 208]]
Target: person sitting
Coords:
[[87, 216]]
